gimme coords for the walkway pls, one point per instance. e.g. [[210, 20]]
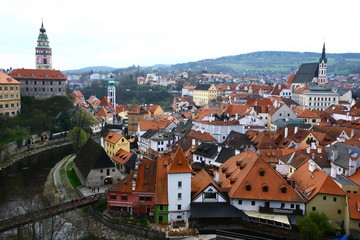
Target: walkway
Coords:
[[23, 219]]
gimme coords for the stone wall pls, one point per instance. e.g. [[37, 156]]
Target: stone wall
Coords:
[[130, 229]]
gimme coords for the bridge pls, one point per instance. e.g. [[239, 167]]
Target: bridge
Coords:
[[23, 219]]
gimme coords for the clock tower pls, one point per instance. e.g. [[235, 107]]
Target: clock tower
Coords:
[[43, 51]]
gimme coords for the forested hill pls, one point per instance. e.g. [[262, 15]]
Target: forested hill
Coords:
[[272, 62]]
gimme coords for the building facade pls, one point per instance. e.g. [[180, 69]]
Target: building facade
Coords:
[[204, 93], [10, 103], [40, 83]]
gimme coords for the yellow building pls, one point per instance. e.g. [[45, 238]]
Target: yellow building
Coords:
[[114, 142], [204, 93], [352, 213], [10, 103], [321, 191]]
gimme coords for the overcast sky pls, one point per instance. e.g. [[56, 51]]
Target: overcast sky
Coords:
[[121, 33]]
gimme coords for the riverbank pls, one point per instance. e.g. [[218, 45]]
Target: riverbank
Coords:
[[31, 151], [58, 189]]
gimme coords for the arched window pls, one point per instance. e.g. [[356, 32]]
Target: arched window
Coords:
[[265, 188], [248, 187], [261, 172]]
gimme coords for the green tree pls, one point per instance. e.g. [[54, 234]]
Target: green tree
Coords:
[[84, 120], [313, 226], [78, 137]]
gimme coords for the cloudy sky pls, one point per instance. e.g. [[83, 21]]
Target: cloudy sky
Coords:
[[121, 33]]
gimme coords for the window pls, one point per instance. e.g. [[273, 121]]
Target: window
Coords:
[[339, 211], [334, 199], [210, 195], [124, 197], [248, 187], [292, 205], [112, 197], [179, 195], [161, 218], [282, 205], [161, 207], [262, 172], [240, 202], [179, 184], [265, 188], [284, 189], [314, 208], [267, 204], [178, 217], [253, 203], [324, 197], [148, 198], [179, 207], [142, 198], [101, 171]]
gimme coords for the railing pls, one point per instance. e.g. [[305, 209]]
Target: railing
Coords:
[[286, 211], [23, 219]]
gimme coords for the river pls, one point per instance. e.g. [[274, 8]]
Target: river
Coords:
[[25, 179]]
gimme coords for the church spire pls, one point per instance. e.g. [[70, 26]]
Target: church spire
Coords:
[[323, 56]]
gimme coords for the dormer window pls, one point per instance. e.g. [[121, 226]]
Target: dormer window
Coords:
[[283, 189], [261, 172], [248, 187], [265, 188]]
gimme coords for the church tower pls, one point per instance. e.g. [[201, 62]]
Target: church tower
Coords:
[[112, 92], [322, 75], [43, 50]]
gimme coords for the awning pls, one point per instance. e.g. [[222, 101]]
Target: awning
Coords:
[[215, 210], [270, 217]]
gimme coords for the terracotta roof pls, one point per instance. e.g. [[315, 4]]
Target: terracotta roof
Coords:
[[146, 176], [249, 169], [311, 183], [42, 74], [200, 181], [125, 185], [337, 109], [207, 113], [6, 79], [290, 80], [354, 205], [238, 109], [278, 88], [205, 136], [114, 137], [138, 110], [122, 156], [356, 177], [302, 112], [161, 189], [158, 124], [77, 94], [92, 99], [105, 102], [179, 163], [103, 112], [121, 108]]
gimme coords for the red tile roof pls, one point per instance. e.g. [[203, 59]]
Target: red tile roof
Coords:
[[354, 205], [311, 183], [249, 169], [161, 192], [201, 181], [122, 156], [113, 137], [146, 176], [6, 79], [179, 163], [42, 74]]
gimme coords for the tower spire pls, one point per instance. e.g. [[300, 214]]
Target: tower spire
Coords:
[[43, 53]]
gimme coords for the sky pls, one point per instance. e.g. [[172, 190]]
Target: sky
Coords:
[[84, 33]]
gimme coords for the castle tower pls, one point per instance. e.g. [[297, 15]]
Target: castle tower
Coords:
[[112, 92], [43, 51], [322, 76]]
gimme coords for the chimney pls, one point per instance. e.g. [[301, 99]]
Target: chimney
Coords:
[[193, 142], [211, 116], [352, 133], [279, 87], [217, 177], [319, 150], [353, 163], [333, 171], [296, 130], [312, 166], [308, 150], [286, 132], [334, 153], [236, 116]]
